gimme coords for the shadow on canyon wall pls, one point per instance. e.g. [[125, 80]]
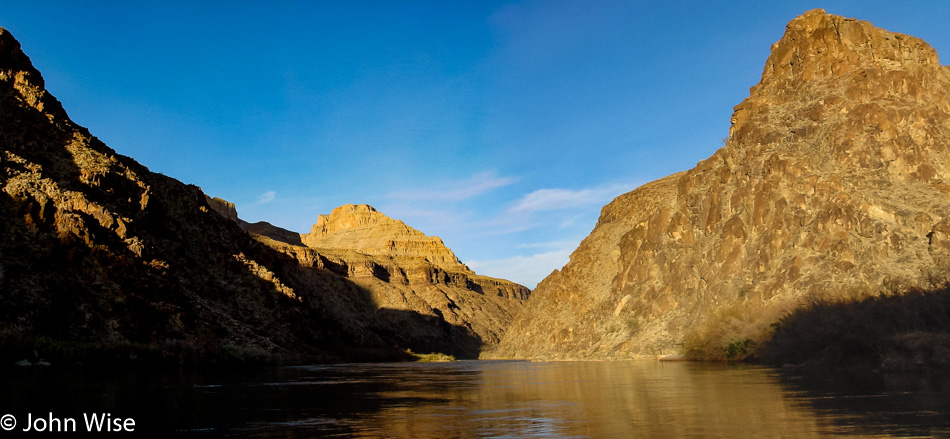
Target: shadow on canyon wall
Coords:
[[907, 332], [73, 291]]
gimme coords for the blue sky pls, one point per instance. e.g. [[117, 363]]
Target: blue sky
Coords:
[[502, 127]]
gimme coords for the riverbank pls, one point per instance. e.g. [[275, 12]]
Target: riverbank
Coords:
[[39, 351]]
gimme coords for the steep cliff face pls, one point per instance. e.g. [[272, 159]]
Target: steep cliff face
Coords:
[[834, 183], [405, 271], [223, 207], [102, 260]]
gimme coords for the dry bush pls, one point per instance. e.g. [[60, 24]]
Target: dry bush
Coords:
[[732, 332]]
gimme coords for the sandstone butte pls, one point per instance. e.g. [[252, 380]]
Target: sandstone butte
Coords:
[[104, 261], [834, 184], [400, 268]]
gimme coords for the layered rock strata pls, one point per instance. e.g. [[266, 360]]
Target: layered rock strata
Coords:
[[363, 229], [834, 184], [402, 269]]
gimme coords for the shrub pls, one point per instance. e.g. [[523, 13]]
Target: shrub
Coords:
[[730, 333], [739, 348]]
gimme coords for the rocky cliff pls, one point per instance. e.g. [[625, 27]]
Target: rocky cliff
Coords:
[[834, 184], [402, 269], [103, 260]]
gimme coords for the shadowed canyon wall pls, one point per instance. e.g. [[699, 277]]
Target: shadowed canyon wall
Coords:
[[103, 260]]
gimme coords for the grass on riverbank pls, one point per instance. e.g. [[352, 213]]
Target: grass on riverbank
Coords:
[[432, 357]]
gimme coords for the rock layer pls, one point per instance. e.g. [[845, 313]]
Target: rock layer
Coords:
[[404, 271], [834, 184], [363, 229]]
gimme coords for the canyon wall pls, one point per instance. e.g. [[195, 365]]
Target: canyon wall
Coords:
[[404, 271], [834, 184], [104, 261]]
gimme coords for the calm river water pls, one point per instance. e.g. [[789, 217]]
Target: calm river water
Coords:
[[484, 399]]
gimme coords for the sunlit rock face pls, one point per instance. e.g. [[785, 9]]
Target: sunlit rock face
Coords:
[[101, 259], [404, 272], [834, 183], [363, 229]]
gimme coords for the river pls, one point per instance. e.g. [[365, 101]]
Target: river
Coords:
[[482, 399]]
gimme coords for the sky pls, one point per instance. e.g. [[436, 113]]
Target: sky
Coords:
[[502, 127]]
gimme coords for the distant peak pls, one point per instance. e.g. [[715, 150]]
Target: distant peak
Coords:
[[349, 216], [353, 208], [817, 44], [826, 65], [361, 228]]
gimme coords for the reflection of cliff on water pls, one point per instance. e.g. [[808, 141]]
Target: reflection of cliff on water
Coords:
[[603, 399], [490, 398], [642, 399], [864, 403]]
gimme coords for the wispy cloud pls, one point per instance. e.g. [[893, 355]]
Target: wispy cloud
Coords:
[[457, 191], [266, 197], [562, 199], [528, 270], [552, 220], [553, 245]]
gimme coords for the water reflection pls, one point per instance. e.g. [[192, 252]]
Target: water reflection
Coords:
[[492, 399], [900, 405], [609, 399]]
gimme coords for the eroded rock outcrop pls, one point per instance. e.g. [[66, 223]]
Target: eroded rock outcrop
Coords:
[[223, 207], [364, 229], [834, 183], [403, 271]]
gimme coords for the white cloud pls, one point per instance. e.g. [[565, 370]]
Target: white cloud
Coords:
[[526, 270], [431, 220], [266, 197], [561, 199], [458, 191], [562, 209], [553, 245], [553, 220]]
